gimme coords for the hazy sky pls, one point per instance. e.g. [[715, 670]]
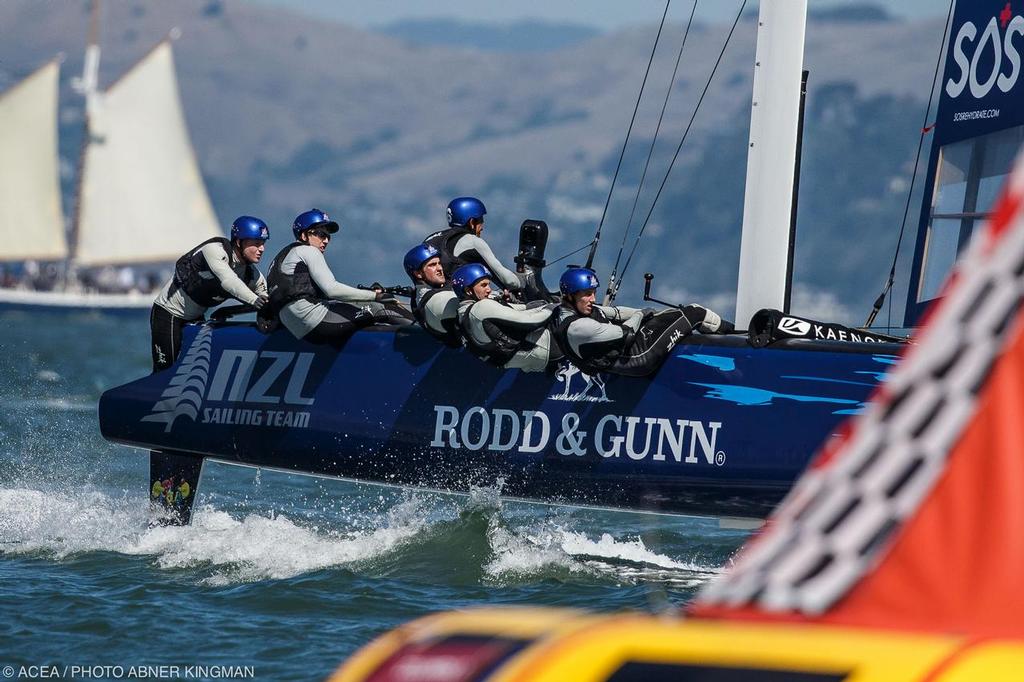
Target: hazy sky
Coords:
[[602, 14]]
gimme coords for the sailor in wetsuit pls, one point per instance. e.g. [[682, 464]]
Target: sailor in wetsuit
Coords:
[[434, 304], [507, 335], [618, 339], [206, 276], [461, 244], [310, 302]]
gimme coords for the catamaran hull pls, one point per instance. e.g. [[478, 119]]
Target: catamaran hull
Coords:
[[723, 429]]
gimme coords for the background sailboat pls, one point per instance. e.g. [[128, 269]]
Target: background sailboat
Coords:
[[141, 198]]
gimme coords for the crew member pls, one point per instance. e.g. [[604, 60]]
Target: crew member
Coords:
[[434, 304], [507, 335], [310, 302], [206, 276], [618, 339], [461, 244]]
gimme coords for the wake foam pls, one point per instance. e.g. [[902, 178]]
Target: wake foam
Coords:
[[479, 541], [552, 547], [257, 547]]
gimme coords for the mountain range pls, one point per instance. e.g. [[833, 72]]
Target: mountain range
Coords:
[[381, 128]]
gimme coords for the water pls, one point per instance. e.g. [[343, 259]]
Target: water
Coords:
[[288, 574]]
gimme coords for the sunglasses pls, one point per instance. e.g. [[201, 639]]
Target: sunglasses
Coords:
[[322, 235]]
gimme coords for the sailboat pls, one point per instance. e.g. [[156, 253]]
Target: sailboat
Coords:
[[132, 212], [896, 557], [723, 429]]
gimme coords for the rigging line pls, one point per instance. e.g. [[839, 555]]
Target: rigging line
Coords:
[[925, 128], [675, 156], [650, 152], [622, 154], [571, 253]]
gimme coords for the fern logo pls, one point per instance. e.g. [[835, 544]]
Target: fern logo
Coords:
[[185, 391]]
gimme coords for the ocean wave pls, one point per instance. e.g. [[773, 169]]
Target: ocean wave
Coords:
[[255, 547], [421, 538]]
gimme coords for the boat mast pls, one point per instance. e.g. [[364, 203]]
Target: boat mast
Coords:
[[88, 87], [771, 156], [791, 252]]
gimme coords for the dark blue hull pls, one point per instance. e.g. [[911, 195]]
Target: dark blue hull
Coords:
[[723, 429]]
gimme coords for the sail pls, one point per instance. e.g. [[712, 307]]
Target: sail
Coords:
[[142, 197], [771, 157], [31, 217]]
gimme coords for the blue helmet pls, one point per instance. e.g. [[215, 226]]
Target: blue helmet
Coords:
[[577, 279], [314, 217], [417, 257], [247, 227], [466, 276], [464, 209]]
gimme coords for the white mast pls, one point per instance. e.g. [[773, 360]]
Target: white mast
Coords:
[[88, 84], [88, 87], [771, 156]]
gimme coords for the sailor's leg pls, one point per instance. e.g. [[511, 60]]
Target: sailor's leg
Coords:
[[535, 354], [341, 322], [653, 342], [391, 312], [165, 330], [707, 321], [173, 482]]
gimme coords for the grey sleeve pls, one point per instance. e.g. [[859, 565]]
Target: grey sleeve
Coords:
[[217, 260], [618, 313], [634, 321], [440, 307], [508, 278], [324, 278], [521, 312], [517, 313], [586, 331]]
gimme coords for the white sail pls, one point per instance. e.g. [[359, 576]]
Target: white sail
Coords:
[[768, 200], [31, 216], [142, 198]]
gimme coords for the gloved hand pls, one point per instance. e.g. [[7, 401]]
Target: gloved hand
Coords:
[[383, 297], [649, 313], [261, 300]]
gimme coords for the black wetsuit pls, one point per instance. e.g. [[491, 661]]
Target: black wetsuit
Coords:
[[623, 340]]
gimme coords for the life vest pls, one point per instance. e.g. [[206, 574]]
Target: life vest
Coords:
[[565, 316], [444, 241], [451, 336], [502, 344], [283, 288], [208, 291]]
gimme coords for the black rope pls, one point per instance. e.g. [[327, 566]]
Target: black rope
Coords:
[[880, 301], [650, 152], [561, 258], [622, 154], [686, 132]]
